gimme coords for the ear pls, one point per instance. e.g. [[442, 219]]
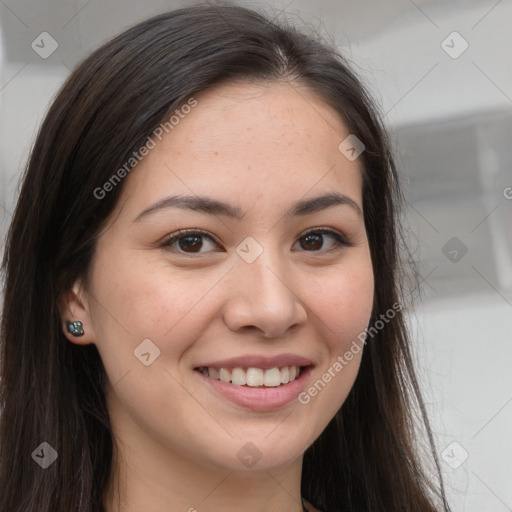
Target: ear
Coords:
[[73, 306]]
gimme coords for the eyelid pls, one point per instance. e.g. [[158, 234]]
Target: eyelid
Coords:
[[189, 231], [176, 235], [338, 235]]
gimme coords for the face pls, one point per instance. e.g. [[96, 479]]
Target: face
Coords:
[[268, 276]]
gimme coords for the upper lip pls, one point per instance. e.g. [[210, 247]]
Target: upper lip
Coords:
[[259, 361]]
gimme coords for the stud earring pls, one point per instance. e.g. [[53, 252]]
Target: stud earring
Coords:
[[75, 328]]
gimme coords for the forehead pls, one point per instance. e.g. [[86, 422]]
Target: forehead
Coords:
[[251, 140], [268, 114]]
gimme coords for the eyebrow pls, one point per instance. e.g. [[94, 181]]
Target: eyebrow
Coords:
[[212, 206]]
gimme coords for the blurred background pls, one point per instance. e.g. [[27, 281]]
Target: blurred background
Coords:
[[441, 72]]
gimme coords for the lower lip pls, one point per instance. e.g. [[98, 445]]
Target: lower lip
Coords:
[[261, 398]]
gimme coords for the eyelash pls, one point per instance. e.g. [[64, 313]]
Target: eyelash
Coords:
[[340, 240]]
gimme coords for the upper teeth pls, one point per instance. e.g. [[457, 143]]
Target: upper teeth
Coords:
[[253, 377]]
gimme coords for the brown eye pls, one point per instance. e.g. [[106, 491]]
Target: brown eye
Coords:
[[193, 243], [314, 240]]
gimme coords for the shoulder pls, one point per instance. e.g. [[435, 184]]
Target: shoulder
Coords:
[[310, 507]]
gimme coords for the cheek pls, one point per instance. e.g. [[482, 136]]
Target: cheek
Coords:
[[342, 313], [137, 301], [345, 303]]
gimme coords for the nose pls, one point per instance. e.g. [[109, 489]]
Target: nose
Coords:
[[263, 296]]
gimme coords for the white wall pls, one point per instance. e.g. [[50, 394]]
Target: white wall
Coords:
[[395, 59]]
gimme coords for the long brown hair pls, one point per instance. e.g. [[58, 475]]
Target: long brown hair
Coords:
[[51, 390]]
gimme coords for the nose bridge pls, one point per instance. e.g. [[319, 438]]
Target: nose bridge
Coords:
[[263, 293], [269, 277]]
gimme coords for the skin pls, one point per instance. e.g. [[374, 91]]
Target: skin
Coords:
[[262, 148]]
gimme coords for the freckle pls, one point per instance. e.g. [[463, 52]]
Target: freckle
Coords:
[[215, 152]]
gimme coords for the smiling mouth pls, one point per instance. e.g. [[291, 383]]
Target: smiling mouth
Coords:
[[254, 377]]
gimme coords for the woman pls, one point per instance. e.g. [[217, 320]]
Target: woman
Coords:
[[202, 307]]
